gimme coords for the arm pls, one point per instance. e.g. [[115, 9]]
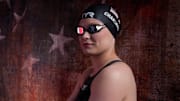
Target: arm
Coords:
[[114, 83]]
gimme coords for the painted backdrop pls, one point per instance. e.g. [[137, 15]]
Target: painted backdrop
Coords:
[[40, 59]]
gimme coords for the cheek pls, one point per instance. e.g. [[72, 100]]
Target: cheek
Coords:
[[99, 40], [103, 39]]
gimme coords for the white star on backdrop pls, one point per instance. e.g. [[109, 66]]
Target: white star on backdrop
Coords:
[[8, 3], [27, 76], [18, 19], [1, 37], [103, 1], [59, 41], [28, 63]]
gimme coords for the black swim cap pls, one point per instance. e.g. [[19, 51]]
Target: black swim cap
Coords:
[[106, 14]]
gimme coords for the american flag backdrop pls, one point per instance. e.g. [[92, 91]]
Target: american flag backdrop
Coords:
[[40, 59]]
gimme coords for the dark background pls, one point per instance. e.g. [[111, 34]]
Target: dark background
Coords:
[[40, 59]]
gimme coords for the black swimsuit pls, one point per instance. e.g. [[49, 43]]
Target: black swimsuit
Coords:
[[85, 91]]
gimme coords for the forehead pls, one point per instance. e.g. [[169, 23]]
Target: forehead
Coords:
[[89, 21]]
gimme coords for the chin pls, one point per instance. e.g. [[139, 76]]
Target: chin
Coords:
[[89, 53]]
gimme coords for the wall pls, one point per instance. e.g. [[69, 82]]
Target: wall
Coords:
[[40, 59]]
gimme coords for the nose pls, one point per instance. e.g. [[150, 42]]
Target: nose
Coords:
[[85, 36]]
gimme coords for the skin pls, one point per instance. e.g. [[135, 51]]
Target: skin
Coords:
[[116, 82]]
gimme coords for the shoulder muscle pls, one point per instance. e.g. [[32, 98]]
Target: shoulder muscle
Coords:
[[113, 83]]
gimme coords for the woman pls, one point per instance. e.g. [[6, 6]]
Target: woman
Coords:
[[109, 78]]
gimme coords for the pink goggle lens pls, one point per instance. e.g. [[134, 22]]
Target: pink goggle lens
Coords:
[[80, 30]]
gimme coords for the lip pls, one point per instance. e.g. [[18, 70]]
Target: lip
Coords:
[[87, 45]]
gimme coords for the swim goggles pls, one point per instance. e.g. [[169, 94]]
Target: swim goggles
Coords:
[[91, 29]]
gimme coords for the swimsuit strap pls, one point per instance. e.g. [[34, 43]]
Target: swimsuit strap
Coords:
[[85, 91], [111, 62]]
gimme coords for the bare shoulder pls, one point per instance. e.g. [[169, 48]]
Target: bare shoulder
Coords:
[[117, 81], [120, 72], [118, 69]]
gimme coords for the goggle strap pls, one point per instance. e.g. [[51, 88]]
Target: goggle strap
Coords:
[[81, 30]]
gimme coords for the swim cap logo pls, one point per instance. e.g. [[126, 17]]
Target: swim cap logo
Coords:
[[88, 15], [114, 12], [107, 14]]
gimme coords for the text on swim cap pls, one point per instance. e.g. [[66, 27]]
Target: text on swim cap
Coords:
[[88, 15], [114, 12], [107, 14]]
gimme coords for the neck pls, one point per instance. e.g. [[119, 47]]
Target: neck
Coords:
[[98, 61]]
